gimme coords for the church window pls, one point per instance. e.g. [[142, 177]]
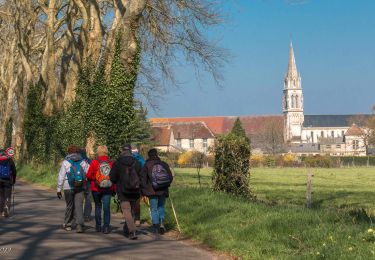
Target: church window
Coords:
[[322, 134], [312, 136], [293, 104], [342, 133], [332, 134]]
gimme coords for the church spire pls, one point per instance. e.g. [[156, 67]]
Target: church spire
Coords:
[[292, 67]]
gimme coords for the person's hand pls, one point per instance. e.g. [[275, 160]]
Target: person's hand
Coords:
[[59, 195]]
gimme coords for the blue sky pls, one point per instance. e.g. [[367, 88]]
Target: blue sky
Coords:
[[334, 44]]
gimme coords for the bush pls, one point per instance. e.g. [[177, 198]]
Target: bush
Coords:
[[320, 161], [257, 160], [289, 160], [232, 165]]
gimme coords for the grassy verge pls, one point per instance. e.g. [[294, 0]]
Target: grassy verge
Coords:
[[336, 228]]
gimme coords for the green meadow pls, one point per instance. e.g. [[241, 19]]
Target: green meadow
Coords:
[[275, 225]]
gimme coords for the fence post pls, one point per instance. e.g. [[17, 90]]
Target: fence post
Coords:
[[309, 189]]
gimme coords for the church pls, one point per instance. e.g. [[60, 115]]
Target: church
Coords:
[[337, 135]]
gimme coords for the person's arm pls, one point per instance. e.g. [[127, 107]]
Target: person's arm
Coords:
[[61, 177], [113, 174], [91, 171], [14, 171]]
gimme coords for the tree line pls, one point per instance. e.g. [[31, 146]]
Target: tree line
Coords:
[[51, 49]]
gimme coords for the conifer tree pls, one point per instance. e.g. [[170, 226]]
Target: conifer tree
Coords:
[[238, 129]]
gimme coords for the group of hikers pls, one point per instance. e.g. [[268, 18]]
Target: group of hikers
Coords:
[[129, 177]]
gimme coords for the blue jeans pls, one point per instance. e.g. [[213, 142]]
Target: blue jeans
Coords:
[[102, 199], [157, 208]]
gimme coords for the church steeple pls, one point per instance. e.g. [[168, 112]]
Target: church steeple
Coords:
[[292, 100], [292, 67]]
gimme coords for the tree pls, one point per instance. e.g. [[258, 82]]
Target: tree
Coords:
[[238, 129], [272, 137], [232, 165]]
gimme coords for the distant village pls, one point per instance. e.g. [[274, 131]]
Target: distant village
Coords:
[[293, 132]]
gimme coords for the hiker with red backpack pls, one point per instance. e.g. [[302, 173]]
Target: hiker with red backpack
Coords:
[[156, 177], [125, 174], [8, 174], [101, 188], [72, 180]]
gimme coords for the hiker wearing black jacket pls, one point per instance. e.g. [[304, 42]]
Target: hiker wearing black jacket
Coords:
[[157, 196], [6, 182], [125, 174]]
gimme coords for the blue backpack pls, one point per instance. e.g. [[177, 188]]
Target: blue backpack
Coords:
[[5, 171], [76, 175]]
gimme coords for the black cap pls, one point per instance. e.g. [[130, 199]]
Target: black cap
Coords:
[[126, 147]]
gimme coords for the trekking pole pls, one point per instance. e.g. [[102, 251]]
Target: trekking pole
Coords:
[[174, 213]]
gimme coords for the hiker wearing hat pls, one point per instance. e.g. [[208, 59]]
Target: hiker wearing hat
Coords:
[[72, 179], [101, 188], [125, 174], [8, 174], [156, 177]]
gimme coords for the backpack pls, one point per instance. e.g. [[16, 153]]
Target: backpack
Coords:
[[160, 177], [5, 171], [130, 182], [76, 174], [102, 175]]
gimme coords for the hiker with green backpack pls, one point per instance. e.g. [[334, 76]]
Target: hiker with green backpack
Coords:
[[101, 188], [125, 174], [72, 180]]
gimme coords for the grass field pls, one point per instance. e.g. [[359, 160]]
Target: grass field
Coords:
[[277, 225]]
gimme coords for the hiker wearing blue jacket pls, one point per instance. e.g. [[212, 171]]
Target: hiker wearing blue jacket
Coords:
[[72, 179], [137, 207], [8, 175]]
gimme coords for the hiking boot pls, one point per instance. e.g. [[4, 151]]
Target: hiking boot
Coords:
[[133, 236], [66, 227], [98, 228], [137, 223], [155, 229], [79, 229], [105, 230], [162, 228], [6, 213]]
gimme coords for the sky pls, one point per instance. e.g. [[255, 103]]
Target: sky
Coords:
[[334, 45]]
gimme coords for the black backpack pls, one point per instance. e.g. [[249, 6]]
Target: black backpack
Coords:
[[130, 182]]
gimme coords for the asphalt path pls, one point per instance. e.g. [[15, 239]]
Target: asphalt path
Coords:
[[34, 232]]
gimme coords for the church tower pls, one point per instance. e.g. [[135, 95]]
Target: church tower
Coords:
[[292, 102]]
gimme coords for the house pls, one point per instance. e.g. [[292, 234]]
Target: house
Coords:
[[183, 136]]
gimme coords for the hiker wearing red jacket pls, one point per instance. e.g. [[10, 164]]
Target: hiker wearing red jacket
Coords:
[[101, 188]]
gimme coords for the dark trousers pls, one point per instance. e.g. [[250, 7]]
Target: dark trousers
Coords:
[[127, 207], [74, 207], [102, 200], [87, 206], [5, 196], [137, 210]]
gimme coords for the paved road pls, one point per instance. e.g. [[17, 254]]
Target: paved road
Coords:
[[34, 232]]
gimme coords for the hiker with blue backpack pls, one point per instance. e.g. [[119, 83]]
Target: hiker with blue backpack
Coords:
[[8, 174], [72, 179], [125, 174], [156, 177], [101, 188]]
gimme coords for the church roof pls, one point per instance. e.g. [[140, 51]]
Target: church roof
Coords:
[[331, 120]]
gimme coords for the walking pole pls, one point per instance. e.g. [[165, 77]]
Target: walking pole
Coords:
[[174, 213]]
